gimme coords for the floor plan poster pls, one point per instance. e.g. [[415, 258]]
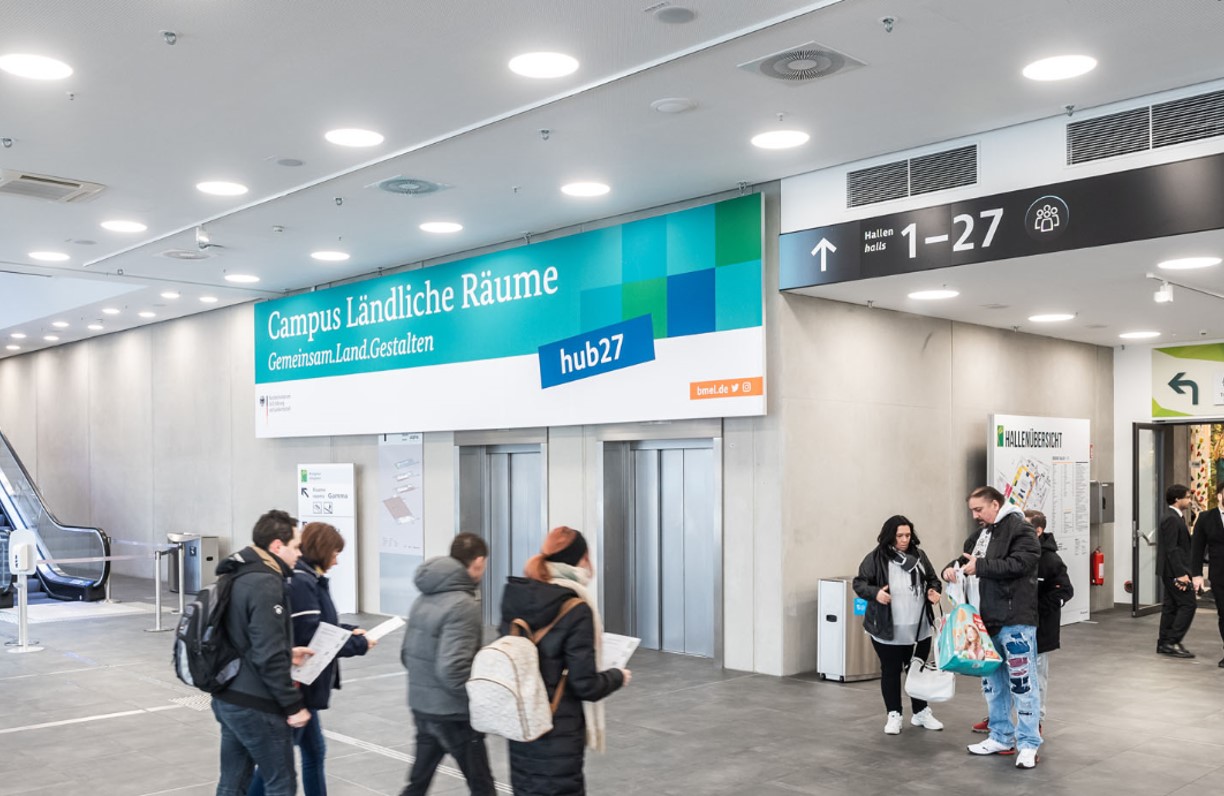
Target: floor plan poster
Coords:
[[401, 534], [1041, 463]]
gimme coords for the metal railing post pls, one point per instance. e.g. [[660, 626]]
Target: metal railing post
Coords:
[[23, 621], [157, 590]]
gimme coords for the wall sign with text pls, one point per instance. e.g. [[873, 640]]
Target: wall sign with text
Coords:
[[1188, 380]]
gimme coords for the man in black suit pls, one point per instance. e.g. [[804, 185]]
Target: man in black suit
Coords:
[[1173, 567], [1209, 538]]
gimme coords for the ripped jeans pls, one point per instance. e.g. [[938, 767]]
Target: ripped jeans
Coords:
[[1015, 684]]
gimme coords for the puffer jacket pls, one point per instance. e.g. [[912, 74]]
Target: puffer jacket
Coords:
[[1007, 574], [310, 599], [1054, 589], [873, 576], [552, 764], [258, 625], [442, 638]]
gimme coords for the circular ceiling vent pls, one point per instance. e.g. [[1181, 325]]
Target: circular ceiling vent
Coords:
[[802, 64], [410, 186], [186, 254]]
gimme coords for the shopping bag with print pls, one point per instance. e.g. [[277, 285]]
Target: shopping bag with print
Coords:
[[964, 646]]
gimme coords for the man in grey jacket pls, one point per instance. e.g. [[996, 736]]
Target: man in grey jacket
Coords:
[[444, 633]]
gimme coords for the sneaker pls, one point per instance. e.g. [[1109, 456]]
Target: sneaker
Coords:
[[924, 718], [1027, 758], [991, 747], [893, 727], [982, 726]]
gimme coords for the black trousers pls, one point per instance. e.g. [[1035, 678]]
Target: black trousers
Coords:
[[1217, 592], [894, 663], [437, 737], [1177, 612]]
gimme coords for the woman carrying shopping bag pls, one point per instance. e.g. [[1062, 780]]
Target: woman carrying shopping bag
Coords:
[[900, 586]]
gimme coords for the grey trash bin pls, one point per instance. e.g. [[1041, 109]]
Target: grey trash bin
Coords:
[[199, 561]]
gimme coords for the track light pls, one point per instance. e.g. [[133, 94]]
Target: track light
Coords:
[[1165, 294]]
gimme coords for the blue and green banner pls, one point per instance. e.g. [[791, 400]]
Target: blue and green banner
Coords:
[[641, 321]]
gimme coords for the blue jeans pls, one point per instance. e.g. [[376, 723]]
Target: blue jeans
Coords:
[[314, 749], [250, 738], [1015, 684]]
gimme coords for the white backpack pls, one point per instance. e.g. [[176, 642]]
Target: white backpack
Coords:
[[506, 692]]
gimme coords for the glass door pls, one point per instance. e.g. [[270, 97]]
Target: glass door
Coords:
[[1149, 466]]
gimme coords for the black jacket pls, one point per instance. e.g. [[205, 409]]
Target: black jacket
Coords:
[[1173, 546], [258, 624], [552, 764], [1209, 539], [310, 598], [873, 576], [1054, 589], [1007, 574]]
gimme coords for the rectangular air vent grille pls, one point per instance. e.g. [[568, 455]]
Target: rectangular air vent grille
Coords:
[[1109, 136], [938, 171], [42, 186], [1190, 119]]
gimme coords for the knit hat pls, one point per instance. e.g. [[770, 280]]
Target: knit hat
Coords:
[[564, 545]]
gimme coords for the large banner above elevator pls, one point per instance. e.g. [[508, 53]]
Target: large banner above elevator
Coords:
[[658, 319]]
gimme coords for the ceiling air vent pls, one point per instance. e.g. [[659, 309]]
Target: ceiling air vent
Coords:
[[42, 186], [1189, 119], [186, 254], [938, 171], [877, 184], [1109, 136], [802, 64], [409, 186]]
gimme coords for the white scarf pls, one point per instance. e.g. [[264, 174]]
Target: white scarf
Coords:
[[576, 580]]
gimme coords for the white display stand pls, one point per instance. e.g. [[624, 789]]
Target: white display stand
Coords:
[[326, 493]]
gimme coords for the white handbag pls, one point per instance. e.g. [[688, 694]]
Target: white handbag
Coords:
[[929, 684]]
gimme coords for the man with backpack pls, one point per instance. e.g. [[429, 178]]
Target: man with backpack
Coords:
[[261, 705], [444, 633]]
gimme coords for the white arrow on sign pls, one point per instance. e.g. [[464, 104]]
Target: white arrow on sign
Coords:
[[823, 248]]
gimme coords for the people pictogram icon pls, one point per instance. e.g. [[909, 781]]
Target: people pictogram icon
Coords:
[[1046, 219]]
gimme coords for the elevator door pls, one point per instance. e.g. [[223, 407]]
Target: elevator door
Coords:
[[661, 541], [501, 498]]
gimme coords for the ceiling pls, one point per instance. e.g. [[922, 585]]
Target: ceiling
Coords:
[[245, 85]]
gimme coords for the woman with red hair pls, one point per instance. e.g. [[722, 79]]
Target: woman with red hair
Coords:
[[552, 764]]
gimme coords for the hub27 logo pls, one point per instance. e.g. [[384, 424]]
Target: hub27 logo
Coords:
[[1047, 218]]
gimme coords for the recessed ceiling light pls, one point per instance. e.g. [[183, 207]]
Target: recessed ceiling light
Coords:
[[1060, 67], [543, 65], [441, 227], [780, 139], [1188, 263], [147, 314], [170, 294], [585, 189], [330, 256], [95, 327], [120, 225], [51, 338], [13, 347], [18, 335], [1052, 317], [221, 188], [60, 324], [1139, 335], [208, 299], [932, 295], [242, 279], [110, 311], [49, 257], [673, 105], [352, 136], [35, 67]]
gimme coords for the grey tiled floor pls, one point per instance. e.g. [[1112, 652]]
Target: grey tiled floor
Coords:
[[1121, 721]]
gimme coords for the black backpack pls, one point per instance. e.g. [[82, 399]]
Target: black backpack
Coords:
[[204, 656]]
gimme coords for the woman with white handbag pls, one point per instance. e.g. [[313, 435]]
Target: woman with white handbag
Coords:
[[900, 586]]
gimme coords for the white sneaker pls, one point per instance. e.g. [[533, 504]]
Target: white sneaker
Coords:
[[893, 727], [924, 718], [1026, 758], [991, 747]]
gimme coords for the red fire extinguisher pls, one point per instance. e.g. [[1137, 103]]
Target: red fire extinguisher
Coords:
[[1098, 567]]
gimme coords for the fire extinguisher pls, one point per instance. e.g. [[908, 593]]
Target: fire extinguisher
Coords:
[[1098, 567]]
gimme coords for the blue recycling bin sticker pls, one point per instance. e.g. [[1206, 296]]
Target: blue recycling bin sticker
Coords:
[[860, 606]]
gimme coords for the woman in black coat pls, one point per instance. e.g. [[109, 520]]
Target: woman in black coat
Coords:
[[900, 586], [552, 764]]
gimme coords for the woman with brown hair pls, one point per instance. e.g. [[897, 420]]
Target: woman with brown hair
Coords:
[[311, 603], [552, 764]]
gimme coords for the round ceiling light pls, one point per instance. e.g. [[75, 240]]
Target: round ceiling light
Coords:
[[242, 279], [441, 227], [120, 225], [934, 295], [35, 67], [1060, 67], [109, 311], [147, 314], [1139, 335], [49, 257], [354, 137], [208, 299], [18, 335], [673, 105], [95, 327], [543, 65], [60, 324], [1052, 317], [585, 189], [1188, 263], [51, 338], [780, 139], [13, 347], [330, 256], [221, 188], [170, 294]]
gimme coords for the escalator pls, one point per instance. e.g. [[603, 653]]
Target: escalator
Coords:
[[22, 506]]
